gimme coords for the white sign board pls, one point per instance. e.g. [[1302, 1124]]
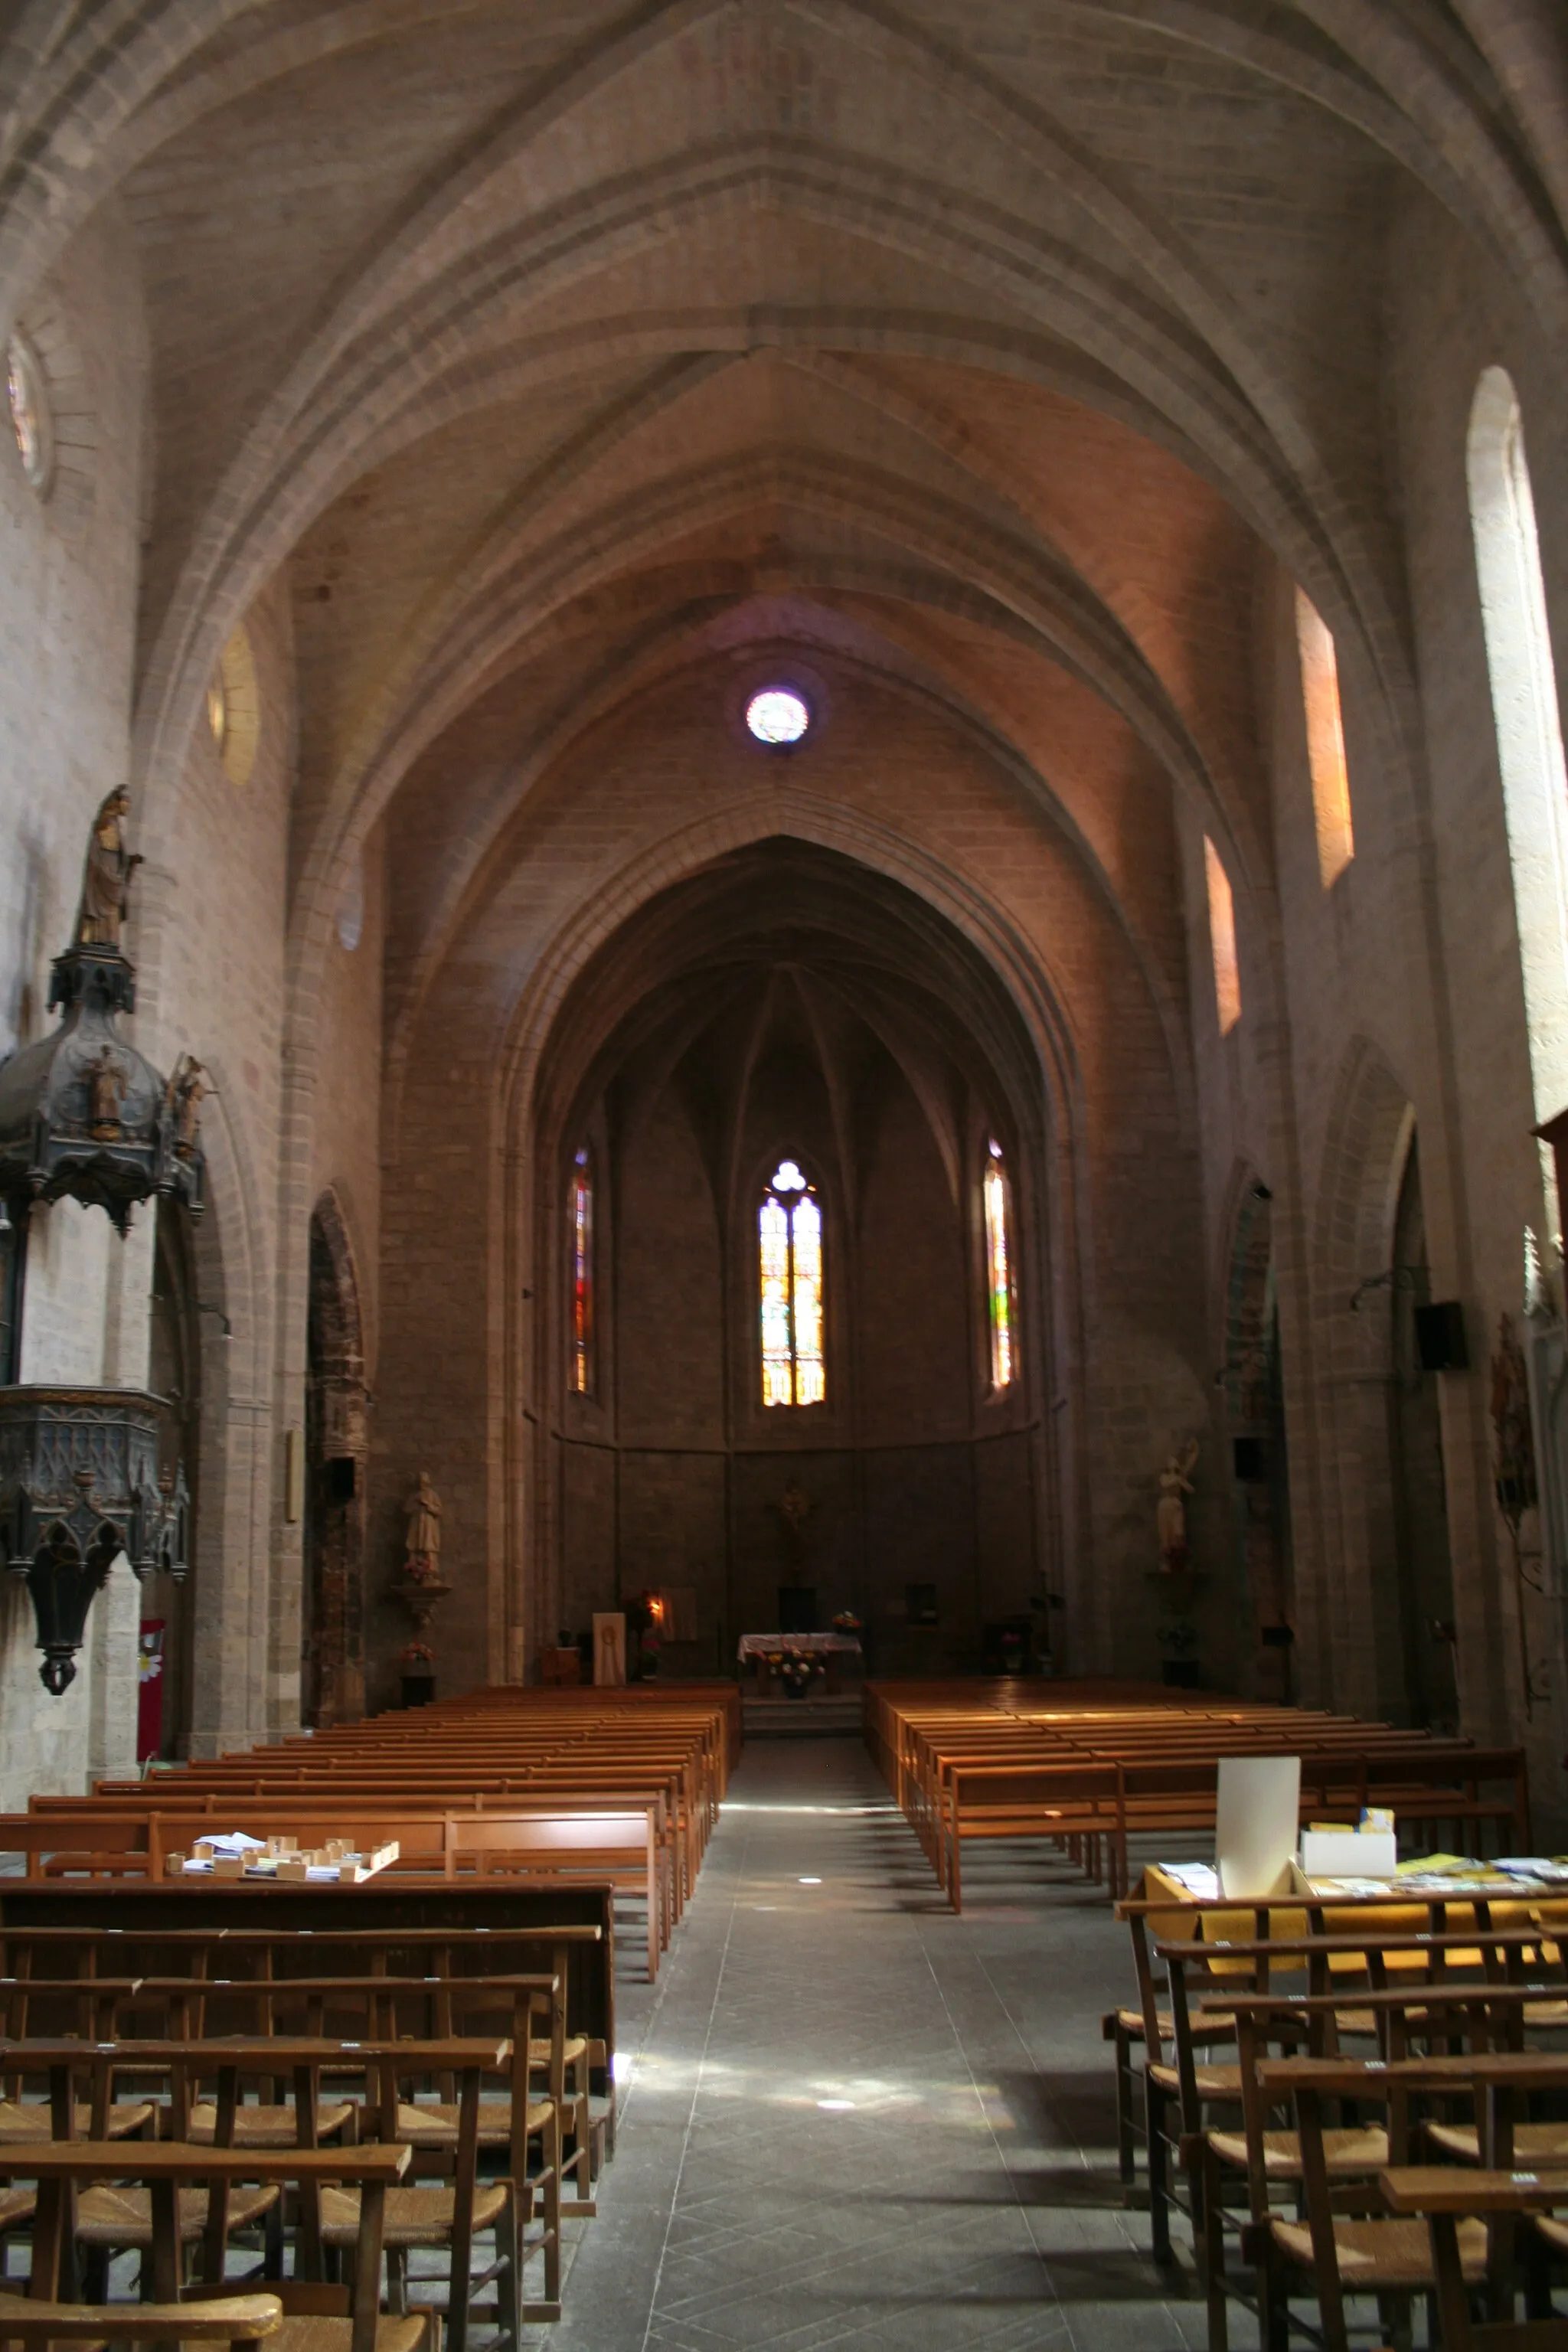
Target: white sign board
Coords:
[[609, 1647], [1256, 1819]]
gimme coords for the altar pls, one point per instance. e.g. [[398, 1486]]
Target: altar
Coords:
[[801, 1666]]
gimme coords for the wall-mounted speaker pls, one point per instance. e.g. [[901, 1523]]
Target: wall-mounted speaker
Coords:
[[1247, 1453], [342, 1469], [1440, 1338]]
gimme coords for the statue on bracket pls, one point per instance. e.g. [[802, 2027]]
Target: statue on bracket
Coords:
[[106, 878], [422, 1585], [1171, 1513], [183, 1098]]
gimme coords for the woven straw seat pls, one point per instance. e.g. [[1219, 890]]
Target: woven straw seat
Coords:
[[123, 2216], [392, 2334], [415, 2217], [435, 2124], [1210, 2027], [1532, 2143], [1350, 2151], [1213, 2082], [1553, 2231], [1392, 2255], [264, 2126], [17, 2205], [27, 2119]]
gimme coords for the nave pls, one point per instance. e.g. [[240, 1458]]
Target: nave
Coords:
[[852, 2118]]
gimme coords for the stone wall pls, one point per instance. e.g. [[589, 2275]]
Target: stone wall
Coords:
[[67, 601]]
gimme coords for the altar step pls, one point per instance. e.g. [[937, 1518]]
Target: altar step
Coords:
[[802, 1718]]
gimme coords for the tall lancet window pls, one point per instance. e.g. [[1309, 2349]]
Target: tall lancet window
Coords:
[[998, 1266], [582, 1273], [789, 1237], [1528, 716]]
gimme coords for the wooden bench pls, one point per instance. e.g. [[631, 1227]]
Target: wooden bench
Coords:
[[620, 1848]]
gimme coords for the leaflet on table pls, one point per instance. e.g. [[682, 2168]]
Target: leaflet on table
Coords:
[[1199, 1878]]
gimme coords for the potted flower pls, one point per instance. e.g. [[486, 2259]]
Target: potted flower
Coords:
[[795, 1673]]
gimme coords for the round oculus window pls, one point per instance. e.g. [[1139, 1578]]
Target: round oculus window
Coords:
[[778, 717]]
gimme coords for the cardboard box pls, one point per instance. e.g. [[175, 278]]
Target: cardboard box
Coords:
[[1348, 1854]]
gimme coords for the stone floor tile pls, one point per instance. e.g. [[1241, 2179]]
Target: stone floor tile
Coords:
[[957, 2189]]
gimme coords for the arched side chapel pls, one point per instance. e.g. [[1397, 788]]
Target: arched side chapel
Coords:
[[1111, 448]]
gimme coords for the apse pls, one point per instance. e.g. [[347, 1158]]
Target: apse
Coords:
[[790, 1364]]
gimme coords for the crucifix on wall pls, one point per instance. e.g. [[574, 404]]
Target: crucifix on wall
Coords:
[[793, 1508]]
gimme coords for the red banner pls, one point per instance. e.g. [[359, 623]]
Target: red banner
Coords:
[[150, 1689]]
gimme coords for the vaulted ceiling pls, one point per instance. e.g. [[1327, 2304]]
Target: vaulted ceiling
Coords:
[[780, 967], [980, 344]]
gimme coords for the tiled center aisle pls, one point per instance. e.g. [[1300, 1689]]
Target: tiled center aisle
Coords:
[[853, 2119]]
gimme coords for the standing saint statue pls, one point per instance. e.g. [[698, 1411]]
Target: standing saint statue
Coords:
[[187, 1085], [424, 1541], [106, 878], [1170, 1514]]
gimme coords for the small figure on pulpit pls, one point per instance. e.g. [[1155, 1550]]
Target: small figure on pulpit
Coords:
[[423, 1547], [1170, 1514], [106, 1092]]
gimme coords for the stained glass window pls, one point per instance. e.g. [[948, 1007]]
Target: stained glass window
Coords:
[[1325, 740], [789, 1239], [583, 1273], [998, 1267], [777, 715]]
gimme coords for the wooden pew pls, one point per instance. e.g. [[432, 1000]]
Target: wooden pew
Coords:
[[136, 1841]]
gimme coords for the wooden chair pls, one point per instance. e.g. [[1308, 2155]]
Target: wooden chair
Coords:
[[234, 2319], [529, 2115], [1486, 2017], [445, 2219], [66, 2170], [1383, 2249], [85, 2006], [1443, 2197]]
